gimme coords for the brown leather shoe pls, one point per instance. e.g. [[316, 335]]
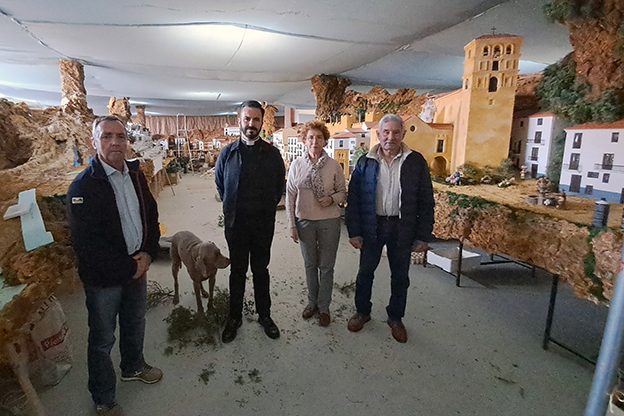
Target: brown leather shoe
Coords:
[[324, 319], [309, 312], [398, 331], [357, 322]]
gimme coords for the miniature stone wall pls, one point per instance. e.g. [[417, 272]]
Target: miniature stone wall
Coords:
[[585, 257]]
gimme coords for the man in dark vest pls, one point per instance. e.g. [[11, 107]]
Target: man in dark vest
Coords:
[[250, 179]]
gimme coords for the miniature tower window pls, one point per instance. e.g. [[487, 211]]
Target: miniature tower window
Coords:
[[466, 84], [493, 87], [495, 66], [486, 51], [497, 51], [509, 50]]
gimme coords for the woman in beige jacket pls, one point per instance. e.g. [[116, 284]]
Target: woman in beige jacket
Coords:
[[315, 188]]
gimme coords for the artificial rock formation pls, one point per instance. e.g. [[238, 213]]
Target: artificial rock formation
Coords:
[[557, 246], [269, 119], [329, 91], [74, 94], [599, 46], [38, 148], [141, 115], [525, 92], [597, 36], [120, 108]]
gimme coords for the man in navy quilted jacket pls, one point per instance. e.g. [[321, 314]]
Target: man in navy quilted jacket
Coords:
[[390, 203]]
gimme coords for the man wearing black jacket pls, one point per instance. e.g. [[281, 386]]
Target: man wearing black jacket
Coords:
[[113, 220], [250, 179]]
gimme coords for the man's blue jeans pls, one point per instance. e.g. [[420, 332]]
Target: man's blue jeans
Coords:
[[104, 304], [399, 259]]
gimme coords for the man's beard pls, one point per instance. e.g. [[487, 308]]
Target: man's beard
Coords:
[[251, 133]]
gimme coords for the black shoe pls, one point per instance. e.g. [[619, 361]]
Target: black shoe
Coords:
[[229, 333], [270, 328]]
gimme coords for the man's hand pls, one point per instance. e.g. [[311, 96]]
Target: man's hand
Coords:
[[294, 235], [356, 242], [420, 247], [325, 201], [143, 261]]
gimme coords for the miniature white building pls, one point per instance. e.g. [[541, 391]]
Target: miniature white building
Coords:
[[231, 130], [362, 136], [285, 140], [593, 161], [344, 140], [541, 132]]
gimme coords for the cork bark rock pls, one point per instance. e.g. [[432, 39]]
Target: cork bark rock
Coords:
[[599, 46], [329, 91], [120, 108], [74, 94], [141, 115], [558, 246], [269, 119]]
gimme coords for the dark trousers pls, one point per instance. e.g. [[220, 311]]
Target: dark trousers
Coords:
[[399, 259], [104, 305], [250, 245]]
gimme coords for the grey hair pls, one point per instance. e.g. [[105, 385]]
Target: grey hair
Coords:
[[390, 118], [102, 119]]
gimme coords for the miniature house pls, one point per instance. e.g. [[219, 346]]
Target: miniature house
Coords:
[[432, 140], [593, 161], [229, 130], [341, 147], [532, 139]]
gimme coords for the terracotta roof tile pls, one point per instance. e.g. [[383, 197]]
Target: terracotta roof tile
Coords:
[[599, 126]]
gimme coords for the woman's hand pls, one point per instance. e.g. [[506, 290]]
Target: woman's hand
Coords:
[[325, 201], [294, 235], [357, 242]]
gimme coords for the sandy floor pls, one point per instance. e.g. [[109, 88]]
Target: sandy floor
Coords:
[[474, 350]]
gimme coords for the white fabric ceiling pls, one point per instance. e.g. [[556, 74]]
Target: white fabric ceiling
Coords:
[[200, 57]]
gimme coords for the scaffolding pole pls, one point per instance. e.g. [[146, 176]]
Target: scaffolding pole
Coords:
[[610, 350]]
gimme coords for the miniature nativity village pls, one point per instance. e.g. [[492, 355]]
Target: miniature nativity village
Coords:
[[528, 179]]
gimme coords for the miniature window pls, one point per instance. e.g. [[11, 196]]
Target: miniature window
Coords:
[[465, 84], [615, 136], [469, 54], [575, 158], [538, 137], [534, 153], [483, 66], [412, 128], [592, 174], [497, 51], [507, 64], [509, 49], [606, 177], [589, 189], [540, 121], [521, 123], [493, 84], [607, 161], [341, 143], [495, 66], [486, 51], [440, 148], [578, 137]]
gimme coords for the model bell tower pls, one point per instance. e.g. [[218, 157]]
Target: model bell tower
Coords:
[[490, 80]]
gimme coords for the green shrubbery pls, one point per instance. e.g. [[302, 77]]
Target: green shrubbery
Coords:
[[562, 93]]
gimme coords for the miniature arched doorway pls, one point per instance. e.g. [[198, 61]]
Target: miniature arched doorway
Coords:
[[438, 166]]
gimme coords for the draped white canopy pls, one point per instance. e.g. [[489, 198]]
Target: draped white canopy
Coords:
[[201, 57]]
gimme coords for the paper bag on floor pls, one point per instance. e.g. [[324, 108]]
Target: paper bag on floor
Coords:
[[50, 355]]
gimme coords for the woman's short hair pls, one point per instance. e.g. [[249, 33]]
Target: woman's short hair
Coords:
[[314, 125]]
